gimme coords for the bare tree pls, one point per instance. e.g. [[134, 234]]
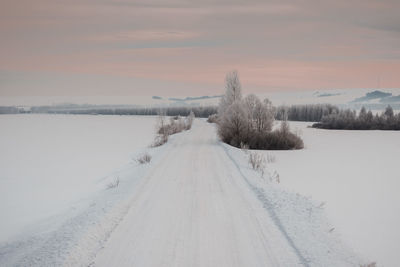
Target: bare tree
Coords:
[[233, 87]]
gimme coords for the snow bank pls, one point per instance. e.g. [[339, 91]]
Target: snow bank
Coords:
[[302, 220], [356, 174]]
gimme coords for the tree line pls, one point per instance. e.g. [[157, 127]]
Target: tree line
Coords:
[[199, 111], [349, 120], [310, 112]]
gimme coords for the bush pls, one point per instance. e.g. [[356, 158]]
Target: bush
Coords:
[[257, 162], [275, 177], [271, 158], [114, 183], [189, 121], [176, 125], [143, 159], [276, 140], [159, 140], [212, 118], [244, 147]]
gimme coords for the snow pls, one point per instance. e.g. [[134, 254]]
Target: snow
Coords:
[[48, 162], [356, 174], [197, 203], [301, 220], [203, 206]]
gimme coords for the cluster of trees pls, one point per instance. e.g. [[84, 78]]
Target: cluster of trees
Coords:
[[349, 120], [313, 112], [248, 121]]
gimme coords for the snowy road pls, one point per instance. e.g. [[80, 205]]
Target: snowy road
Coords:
[[196, 209]]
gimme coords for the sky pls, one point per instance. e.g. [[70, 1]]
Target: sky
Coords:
[[172, 47]]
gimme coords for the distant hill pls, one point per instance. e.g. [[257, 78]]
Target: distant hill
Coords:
[[391, 99], [328, 94], [372, 95], [193, 98]]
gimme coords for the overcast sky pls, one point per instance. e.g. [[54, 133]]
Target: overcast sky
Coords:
[[171, 47]]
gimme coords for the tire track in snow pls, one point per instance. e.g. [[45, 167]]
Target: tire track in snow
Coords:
[[259, 192]]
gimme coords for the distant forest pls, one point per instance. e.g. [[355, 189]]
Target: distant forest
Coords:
[[312, 112], [349, 120], [199, 111]]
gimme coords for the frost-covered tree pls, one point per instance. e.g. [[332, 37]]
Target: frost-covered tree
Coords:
[[233, 87], [249, 121], [233, 92], [363, 114], [250, 103], [189, 120], [260, 114], [233, 125], [389, 112]]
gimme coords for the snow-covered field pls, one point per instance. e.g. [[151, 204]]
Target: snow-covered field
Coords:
[[357, 174], [197, 203], [49, 162]]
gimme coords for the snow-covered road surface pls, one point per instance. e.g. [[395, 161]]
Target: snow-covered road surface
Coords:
[[195, 209]]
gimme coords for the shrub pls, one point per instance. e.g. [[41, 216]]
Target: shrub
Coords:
[[275, 177], [176, 125], [114, 183], [244, 147], [143, 159], [270, 158], [212, 118], [159, 140], [189, 121], [257, 162], [279, 140]]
